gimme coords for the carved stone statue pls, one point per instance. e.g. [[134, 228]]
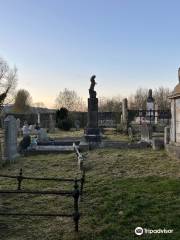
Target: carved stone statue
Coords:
[[92, 93]]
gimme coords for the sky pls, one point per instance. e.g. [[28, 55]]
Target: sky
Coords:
[[57, 44]]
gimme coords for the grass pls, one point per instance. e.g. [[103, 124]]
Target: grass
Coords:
[[109, 135], [124, 189], [61, 134]]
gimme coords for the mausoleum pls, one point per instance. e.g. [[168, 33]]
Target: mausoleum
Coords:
[[174, 144]]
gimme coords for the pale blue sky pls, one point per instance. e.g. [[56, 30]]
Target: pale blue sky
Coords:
[[60, 43]]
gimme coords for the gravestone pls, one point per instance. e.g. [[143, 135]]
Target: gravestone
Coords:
[[42, 135], [32, 129], [92, 133], [125, 110], [146, 132], [39, 118], [124, 118], [77, 124], [51, 124], [166, 135], [10, 141]]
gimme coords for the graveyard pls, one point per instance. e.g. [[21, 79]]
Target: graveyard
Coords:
[[89, 120], [122, 189], [89, 183]]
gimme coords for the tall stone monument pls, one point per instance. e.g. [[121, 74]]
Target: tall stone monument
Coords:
[[150, 107], [92, 133]]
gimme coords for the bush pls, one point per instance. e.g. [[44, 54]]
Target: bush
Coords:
[[61, 114], [65, 124]]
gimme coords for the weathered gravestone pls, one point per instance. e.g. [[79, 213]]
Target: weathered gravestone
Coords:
[[124, 119], [51, 124], [10, 141], [146, 132], [166, 135], [42, 135], [125, 110], [77, 124], [39, 118]]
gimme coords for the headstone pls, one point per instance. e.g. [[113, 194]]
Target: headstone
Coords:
[[166, 135], [39, 118], [77, 124], [51, 124], [125, 110], [130, 134], [157, 144], [10, 143], [32, 129], [146, 132], [42, 135], [92, 133], [124, 115]]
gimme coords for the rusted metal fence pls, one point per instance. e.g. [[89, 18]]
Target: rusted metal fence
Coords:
[[75, 194]]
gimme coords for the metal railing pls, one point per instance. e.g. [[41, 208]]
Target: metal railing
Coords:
[[75, 193]]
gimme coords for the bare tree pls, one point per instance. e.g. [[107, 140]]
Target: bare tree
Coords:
[[139, 99], [70, 100], [23, 101], [110, 104], [161, 98], [8, 81]]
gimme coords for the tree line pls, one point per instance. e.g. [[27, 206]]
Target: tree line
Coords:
[[22, 100]]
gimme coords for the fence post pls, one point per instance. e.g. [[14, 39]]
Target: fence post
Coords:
[[76, 207], [19, 179], [82, 182]]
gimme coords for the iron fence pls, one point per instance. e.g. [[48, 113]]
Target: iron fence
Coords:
[[150, 116], [75, 194]]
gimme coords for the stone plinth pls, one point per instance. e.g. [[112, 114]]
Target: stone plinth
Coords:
[[92, 112]]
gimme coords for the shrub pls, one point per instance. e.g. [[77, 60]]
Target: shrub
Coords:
[[61, 114], [64, 124]]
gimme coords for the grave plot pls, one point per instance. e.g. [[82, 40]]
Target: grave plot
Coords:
[[123, 187], [45, 192]]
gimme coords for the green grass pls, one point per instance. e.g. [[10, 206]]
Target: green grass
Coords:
[[124, 189]]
